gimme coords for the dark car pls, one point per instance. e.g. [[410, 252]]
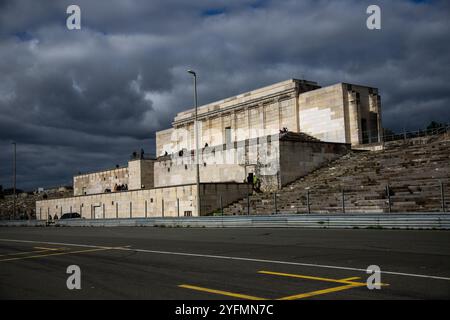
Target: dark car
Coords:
[[71, 215]]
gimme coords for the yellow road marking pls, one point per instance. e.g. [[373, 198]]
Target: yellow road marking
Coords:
[[27, 252], [344, 281], [319, 292], [348, 284], [351, 278], [225, 293], [55, 254], [49, 249]]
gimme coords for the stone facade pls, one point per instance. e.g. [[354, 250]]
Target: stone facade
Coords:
[[280, 133], [342, 113], [137, 175], [222, 163], [249, 115], [298, 158], [157, 202], [276, 159], [141, 173], [98, 182]]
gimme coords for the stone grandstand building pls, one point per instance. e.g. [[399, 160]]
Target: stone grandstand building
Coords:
[[279, 133]]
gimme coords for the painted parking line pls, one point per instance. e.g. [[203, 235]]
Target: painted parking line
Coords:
[[290, 275], [346, 284], [49, 249], [40, 250], [351, 278], [221, 292], [320, 292], [342, 281], [199, 255], [54, 254]]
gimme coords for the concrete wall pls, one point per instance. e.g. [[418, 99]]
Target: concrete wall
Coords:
[[344, 113], [276, 162], [157, 202], [97, 182], [210, 194], [141, 173], [297, 159], [137, 175], [222, 163], [364, 108], [125, 204], [164, 141], [249, 115], [341, 113], [321, 113], [255, 121], [247, 97]]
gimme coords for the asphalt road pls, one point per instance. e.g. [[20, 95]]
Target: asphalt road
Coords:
[[188, 263]]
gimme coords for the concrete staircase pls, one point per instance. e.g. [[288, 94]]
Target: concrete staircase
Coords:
[[413, 170]]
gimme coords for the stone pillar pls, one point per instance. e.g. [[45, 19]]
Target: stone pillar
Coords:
[[222, 128], [380, 126], [277, 101], [234, 126], [262, 119], [297, 112], [249, 127], [354, 119], [209, 129]]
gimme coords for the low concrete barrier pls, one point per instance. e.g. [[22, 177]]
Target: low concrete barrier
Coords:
[[22, 223], [389, 221]]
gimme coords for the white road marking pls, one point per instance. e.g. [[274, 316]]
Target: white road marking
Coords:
[[229, 258]]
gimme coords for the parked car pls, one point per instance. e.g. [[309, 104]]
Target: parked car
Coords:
[[70, 215]]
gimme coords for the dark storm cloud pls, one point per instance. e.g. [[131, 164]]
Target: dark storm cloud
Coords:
[[84, 100]]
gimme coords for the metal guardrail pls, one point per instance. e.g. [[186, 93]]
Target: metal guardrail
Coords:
[[23, 223], [370, 221], [370, 137]]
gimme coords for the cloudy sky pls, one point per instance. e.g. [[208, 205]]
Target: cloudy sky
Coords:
[[83, 100]]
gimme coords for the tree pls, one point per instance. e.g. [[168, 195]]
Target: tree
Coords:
[[388, 132], [435, 125]]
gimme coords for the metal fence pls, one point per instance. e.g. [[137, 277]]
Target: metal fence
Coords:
[[373, 137], [355, 221], [430, 198]]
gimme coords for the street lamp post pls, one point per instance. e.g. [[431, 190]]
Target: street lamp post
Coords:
[[14, 181], [196, 142]]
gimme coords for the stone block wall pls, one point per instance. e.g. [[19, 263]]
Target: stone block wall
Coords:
[[98, 182], [158, 202], [342, 112], [140, 203], [141, 174], [222, 163], [363, 105], [297, 159], [164, 141], [137, 175], [211, 194], [274, 160], [322, 114], [249, 115]]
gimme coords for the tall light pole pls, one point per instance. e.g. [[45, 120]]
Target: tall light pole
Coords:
[[14, 181], [196, 142]]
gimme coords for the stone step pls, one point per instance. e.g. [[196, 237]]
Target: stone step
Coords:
[[412, 172]]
